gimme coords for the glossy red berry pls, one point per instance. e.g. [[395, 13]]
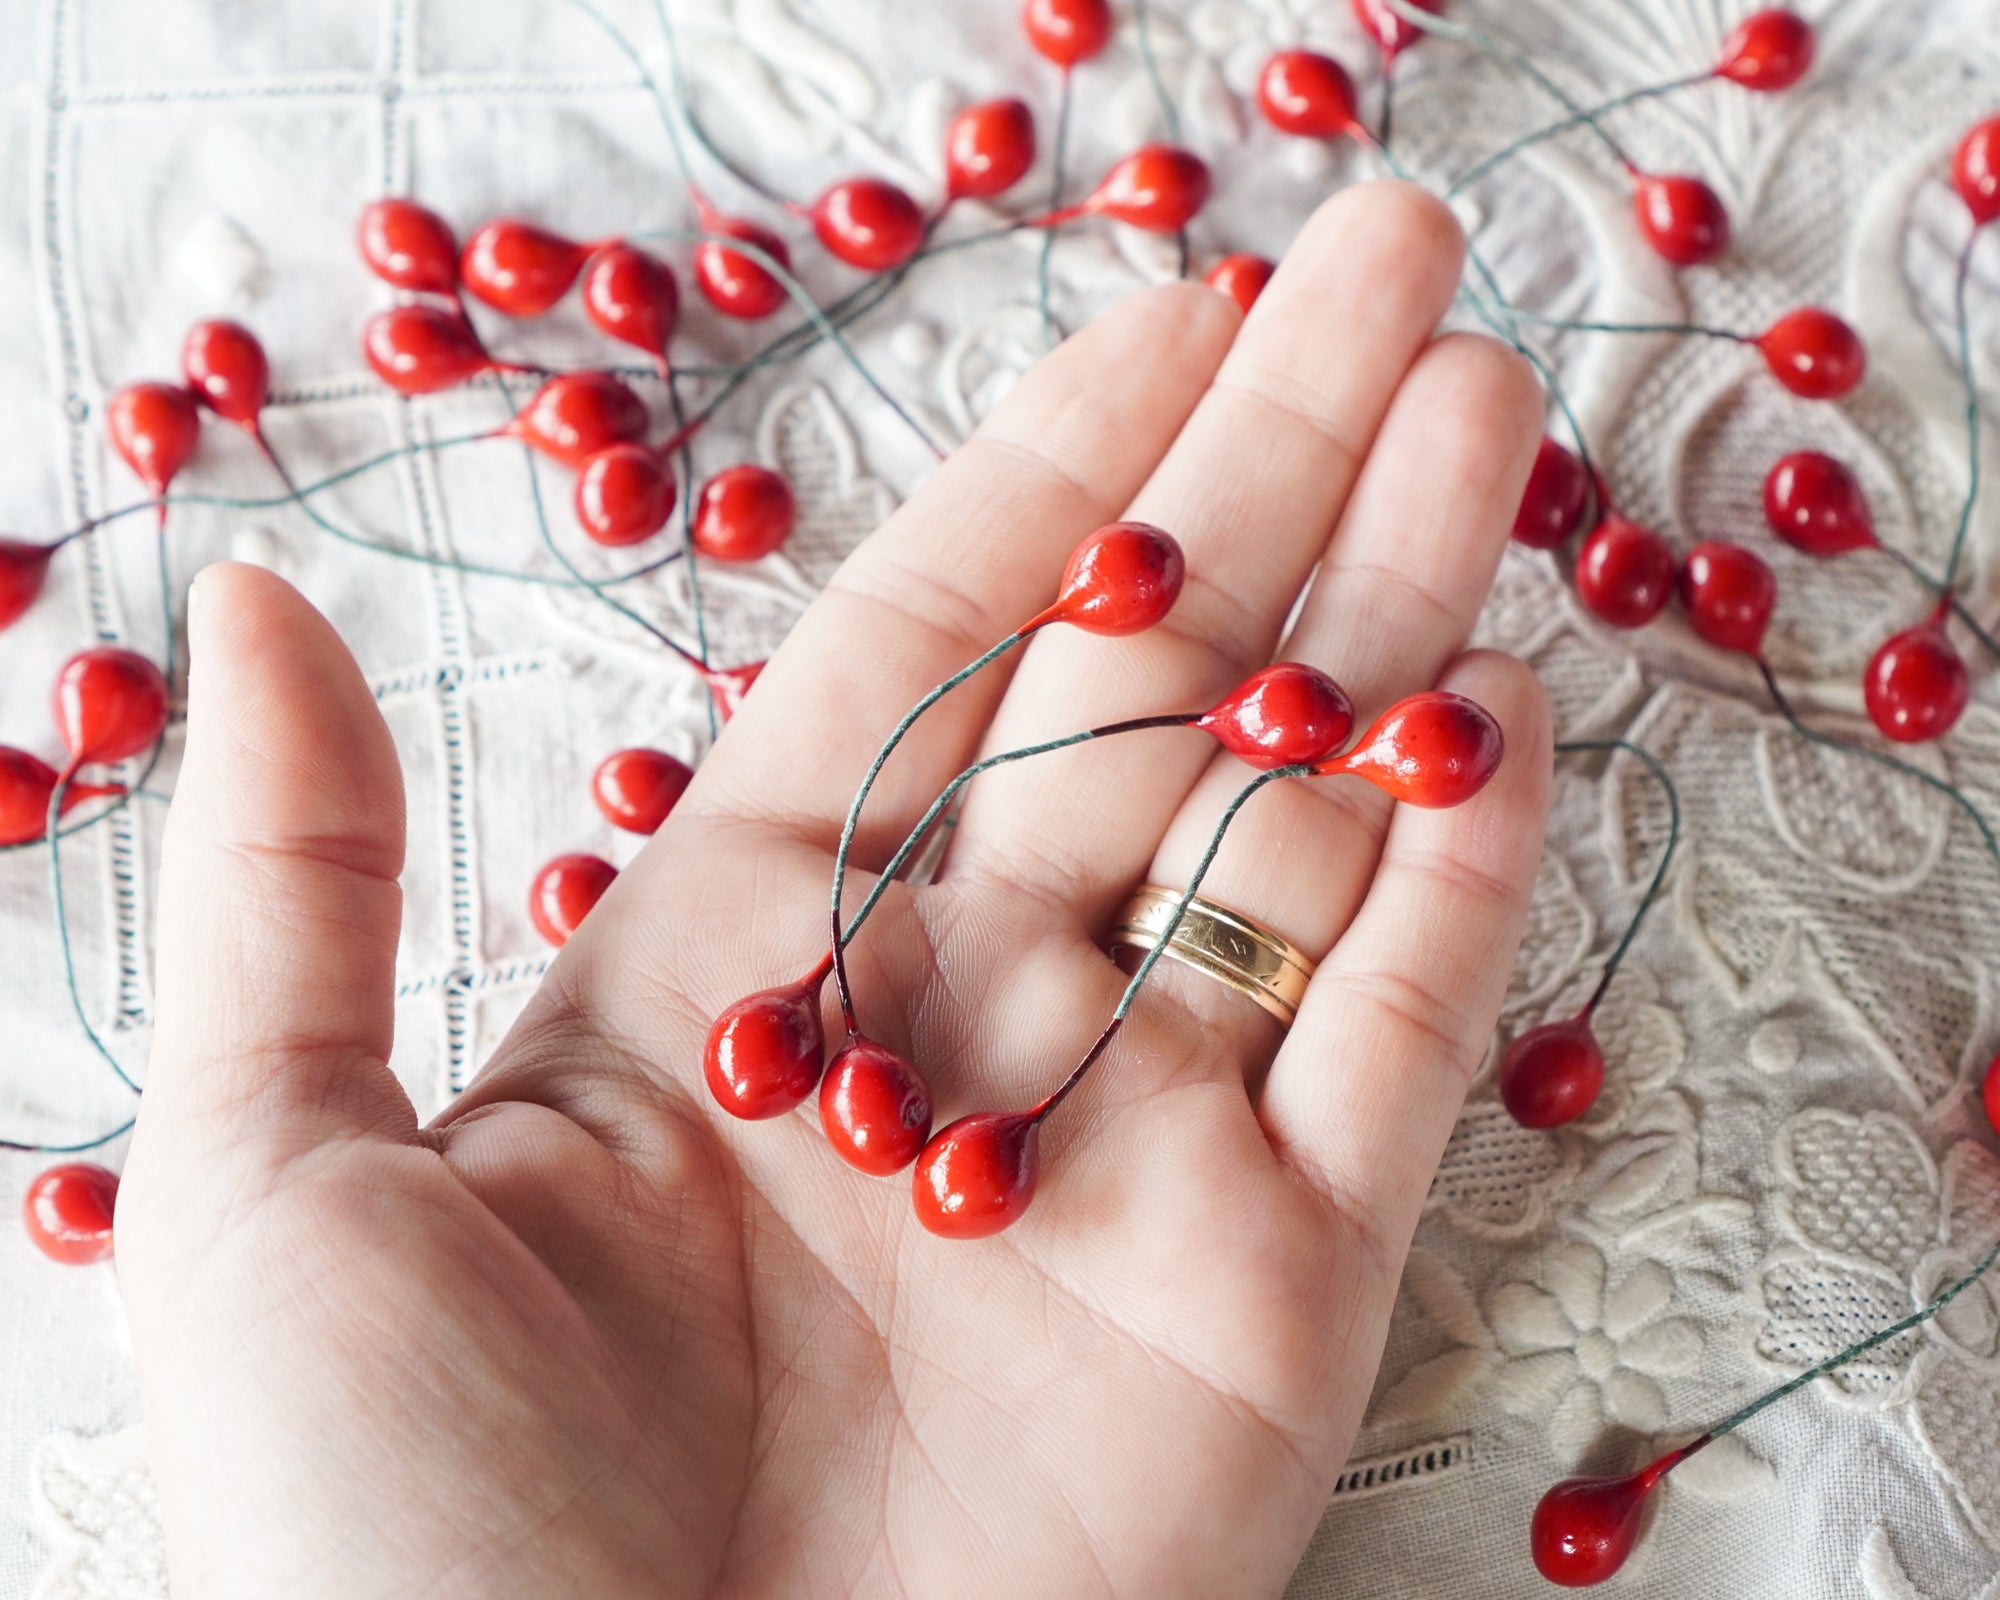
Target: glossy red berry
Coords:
[[227, 370], [1554, 501], [1767, 51], [409, 246], [1388, 30], [1624, 573], [624, 495], [1975, 171], [26, 785], [1550, 1075], [1157, 188], [1813, 353], [1122, 579], [764, 1053], [574, 416], [988, 148], [1282, 716], [24, 568], [1242, 278], [1728, 594], [1989, 1093], [1916, 685], [154, 427], [977, 1176], [564, 892], [1682, 218], [1584, 1528], [730, 685], [109, 703], [1067, 31], [1434, 749], [637, 789], [745, 512], [868, 223], [519, 268], [1815, 504], [875, 1107], [731, 281], [68, 1211], [423, 349], [1309, 95], [632, 296]]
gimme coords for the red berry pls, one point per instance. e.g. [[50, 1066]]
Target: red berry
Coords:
[[409, 246], [1814, 354], [978, 1175], [1584, 1528], [1682, 218], [564, 892], [1990, 1093], [1242, 278], [1624, 573], [988, 148], [1122, 579], [1815, 504], [1767, 51], [1728, 594], [1158, 188], [632, 296], [1433, 750], [24, 568], [1067, 31], [875, 1107], [519, 268], [1553, 504], [1307, 94], [868, 223], [729, 686], [744, 513], [624, 494], [423, 349], [1916, 685], [1387, 29], [636, 789], [109, 703], [68, 1212], [1551, 1074], [228, 371], [572, 417], [154, 427], [1975, 171], [1282, 716], [733, 283], [763, 1054], [26, 783]]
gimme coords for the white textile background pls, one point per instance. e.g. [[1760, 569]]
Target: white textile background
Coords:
[[1786, 1152]]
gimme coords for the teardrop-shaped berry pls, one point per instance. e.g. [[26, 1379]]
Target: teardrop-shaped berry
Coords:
[[1306, 94], [227, 370], [1728, 594], [108, 703], [1989, 1093], [730, 685], [632, 296], [1282, 716], [1389, 31], [875, 1107], [1550, 1075], [745, 512], [1553, 503], [1816, 504], [409, 246], [1433, 750], [1916, 684], [1767, 51], [1975, 171], [624, 495], [1813, 353], [154, 427], [988, 148], [1157, 188], [24, 568], [572, 417], [68, 1211], [520, 268], [869, 223], [1682, 218], [1067, 31], [26, 784], [637, 789], [764, 1053], [1122, 579], [1624, 573], [565, 891], [731, 281], [423, 349], [978, 1175], [1584, 1528], [1240, 277]]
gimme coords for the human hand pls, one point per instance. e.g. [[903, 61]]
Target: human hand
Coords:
[[585, 1333]]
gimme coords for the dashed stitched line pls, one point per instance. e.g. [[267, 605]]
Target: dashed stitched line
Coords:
[[468, 980], [338, 87], [461, 674]]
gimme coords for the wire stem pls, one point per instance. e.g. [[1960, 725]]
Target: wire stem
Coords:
[[1574, 120], [1963, 322], [1057, 159], [1659, 873]]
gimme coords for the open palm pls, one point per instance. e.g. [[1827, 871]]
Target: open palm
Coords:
[[586, 1334]]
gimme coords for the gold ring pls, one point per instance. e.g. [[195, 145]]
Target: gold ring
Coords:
[[1225, 944]]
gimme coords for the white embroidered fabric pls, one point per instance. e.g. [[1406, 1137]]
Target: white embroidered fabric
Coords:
[[1788, 1152]]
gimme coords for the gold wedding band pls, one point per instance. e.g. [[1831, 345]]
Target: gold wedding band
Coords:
[[1225, 944]]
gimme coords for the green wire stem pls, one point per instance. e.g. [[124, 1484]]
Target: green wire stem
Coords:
[[1646, 900], [1143, 21], [1574, 120], [1964, 323], [1057, 159]]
